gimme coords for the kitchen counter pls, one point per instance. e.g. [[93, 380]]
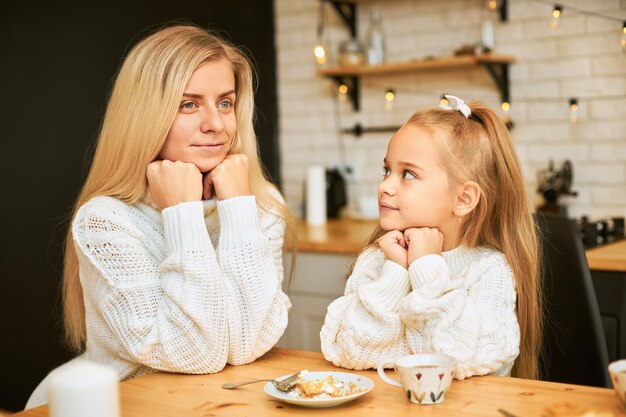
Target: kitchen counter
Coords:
[[610, 257], [348, 236], [338, 236]]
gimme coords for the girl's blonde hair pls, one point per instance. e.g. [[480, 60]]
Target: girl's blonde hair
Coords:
[[480, 149], [140, 111]]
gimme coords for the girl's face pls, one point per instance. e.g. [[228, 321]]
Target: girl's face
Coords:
[[205, 125], [415, 191]]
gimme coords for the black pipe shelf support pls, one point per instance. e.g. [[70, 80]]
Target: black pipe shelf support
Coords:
[[499, 73], [347, 11], [353, 84]]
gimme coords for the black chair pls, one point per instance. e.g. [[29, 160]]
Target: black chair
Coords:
[[575, 349]]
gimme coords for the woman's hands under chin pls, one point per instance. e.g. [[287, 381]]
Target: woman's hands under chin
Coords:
[[423, 241], [231, 178], [171, 183], [394, 247]]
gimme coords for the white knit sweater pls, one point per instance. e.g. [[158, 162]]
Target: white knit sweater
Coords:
[[461, 303], [187, 290]]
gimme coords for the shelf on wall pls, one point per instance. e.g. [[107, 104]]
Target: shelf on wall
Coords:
[[496, 65], [502, 11]]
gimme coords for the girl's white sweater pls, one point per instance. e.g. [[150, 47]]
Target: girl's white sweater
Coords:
[[461, 303]]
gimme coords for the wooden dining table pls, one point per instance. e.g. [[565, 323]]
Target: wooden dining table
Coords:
[[167, 394]]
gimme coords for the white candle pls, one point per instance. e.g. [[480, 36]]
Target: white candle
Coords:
[[316, 195], [82, 388]]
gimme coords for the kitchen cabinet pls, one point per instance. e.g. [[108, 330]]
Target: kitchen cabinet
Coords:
[[319, 279]]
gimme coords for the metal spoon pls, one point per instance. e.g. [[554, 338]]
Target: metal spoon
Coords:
[[284, 384]]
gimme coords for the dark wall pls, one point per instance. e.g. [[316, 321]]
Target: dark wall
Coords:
[[56, 69]]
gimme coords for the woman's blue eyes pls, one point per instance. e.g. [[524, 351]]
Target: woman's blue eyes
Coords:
[[188, 105], [222, 105], [226, 104]]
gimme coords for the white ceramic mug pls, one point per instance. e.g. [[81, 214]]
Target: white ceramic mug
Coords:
[[425, 378], [617, 370]]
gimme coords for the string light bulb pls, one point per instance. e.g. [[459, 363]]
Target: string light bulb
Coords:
[[573, 110], [622, 40], [443, 100], [319, 51], [556, 17], [493, 4], [390, 96], [343, 93], [320, 54]]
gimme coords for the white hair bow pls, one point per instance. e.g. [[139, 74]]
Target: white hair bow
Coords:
[[455, 103]]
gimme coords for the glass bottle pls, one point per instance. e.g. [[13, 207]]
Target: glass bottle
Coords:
[[375, 39]]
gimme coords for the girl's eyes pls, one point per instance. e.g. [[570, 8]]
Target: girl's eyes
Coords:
[[406, 175]]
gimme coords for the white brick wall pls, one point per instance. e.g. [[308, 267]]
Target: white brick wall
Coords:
[[580, 59]]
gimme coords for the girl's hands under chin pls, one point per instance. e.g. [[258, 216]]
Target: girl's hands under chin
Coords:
[[231, 178], [394, 247], [171, 183], [423, 241]]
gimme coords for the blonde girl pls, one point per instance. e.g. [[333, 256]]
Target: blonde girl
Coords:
[[174, 256], [453, 266]]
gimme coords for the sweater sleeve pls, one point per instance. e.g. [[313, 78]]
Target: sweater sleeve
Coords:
[[168, 315], [363, 328], [250, 254], [471, 318]]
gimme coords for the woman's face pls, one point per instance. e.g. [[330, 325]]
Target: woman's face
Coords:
[[205, 124]]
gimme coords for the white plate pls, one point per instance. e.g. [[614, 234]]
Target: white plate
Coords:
[[346, 378]]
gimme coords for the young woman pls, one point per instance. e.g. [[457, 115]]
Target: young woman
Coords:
[[453, 266], [174, 256]]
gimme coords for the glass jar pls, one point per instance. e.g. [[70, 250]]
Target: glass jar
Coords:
[[351, 52]]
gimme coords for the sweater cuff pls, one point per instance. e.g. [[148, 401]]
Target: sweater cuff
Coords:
[[184, 227], [239, 219], [426, 270], [392, 286]]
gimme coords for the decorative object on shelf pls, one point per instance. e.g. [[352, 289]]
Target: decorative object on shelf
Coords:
[[375, 39], [486, 39], [351, 52], [554, 183]]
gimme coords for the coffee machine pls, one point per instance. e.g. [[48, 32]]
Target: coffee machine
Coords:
[[554, 183]]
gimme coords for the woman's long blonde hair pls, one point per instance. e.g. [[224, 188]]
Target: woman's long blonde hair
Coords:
[[480, 149], [142, 106]]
